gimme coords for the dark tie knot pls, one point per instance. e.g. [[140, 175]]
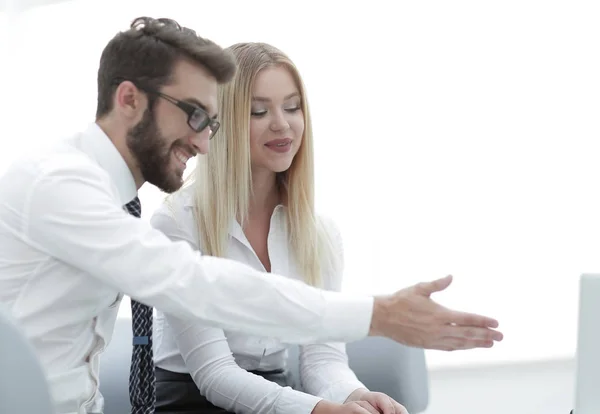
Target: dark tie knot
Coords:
[[134, 207]]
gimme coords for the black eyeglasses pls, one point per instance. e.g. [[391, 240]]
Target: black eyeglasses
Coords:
[[198, 118]]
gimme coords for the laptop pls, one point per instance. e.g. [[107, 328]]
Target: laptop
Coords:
[[587, 377]]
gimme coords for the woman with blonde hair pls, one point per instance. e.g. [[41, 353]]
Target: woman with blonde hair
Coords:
[[251, 200]]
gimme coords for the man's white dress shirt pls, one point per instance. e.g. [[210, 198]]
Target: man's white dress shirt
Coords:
[[68, 250], [218, 360]]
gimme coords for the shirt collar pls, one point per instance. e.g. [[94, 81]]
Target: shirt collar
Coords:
[[235, 230], [277, 222], [99, 146]]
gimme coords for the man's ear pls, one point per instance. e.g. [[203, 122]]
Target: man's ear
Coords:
[[129, 100]]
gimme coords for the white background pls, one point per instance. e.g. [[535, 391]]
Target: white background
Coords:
[[451, 136]]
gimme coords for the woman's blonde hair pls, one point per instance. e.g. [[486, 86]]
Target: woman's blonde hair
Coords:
[[223, 178]]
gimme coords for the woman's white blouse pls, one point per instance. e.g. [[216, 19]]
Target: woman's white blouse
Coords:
[[218, 360]]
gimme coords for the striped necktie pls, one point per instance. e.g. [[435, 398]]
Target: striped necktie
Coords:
[[142, 382]]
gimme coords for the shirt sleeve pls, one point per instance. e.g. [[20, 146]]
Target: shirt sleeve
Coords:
[[324, 369], [210, 363], [70, 214]]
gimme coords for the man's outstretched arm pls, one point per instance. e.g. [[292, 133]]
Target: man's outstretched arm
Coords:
[[70, 215]]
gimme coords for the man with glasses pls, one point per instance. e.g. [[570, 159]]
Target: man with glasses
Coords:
[[70, 246]]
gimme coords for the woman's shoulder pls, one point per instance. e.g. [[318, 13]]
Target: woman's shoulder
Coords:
[[175, 216], [178, 204], [328, 226], [331, 252]]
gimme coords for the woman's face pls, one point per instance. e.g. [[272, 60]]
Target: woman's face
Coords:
[[276, 120]]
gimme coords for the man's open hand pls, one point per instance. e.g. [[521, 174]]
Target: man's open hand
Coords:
[[412, 318]]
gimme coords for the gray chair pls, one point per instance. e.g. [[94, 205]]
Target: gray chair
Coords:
[[23, 384], [381, 364]]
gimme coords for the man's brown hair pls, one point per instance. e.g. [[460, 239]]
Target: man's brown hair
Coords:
[[148, 52]]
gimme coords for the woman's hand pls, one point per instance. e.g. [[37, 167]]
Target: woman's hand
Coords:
[[349, 407], [380, 401]]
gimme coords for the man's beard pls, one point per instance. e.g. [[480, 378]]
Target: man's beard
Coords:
[[153, 154]]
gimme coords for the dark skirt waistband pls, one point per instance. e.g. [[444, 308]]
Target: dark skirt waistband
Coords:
[[166, 375], [177, 393]]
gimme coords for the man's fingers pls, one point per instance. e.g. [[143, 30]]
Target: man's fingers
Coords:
[[471, 319], [427, 288], [471, 332], [456, 344]]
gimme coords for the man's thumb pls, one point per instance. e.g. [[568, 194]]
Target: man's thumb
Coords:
[[427, 288]]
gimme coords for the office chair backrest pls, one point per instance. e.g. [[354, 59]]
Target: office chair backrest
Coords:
[[23, 384]]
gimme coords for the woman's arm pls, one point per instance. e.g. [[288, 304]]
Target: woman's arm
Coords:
[[324, 369], [210, 363], [208, 357]]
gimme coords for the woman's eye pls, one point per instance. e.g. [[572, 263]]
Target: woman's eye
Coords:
[[258, 113], [294, 109]]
